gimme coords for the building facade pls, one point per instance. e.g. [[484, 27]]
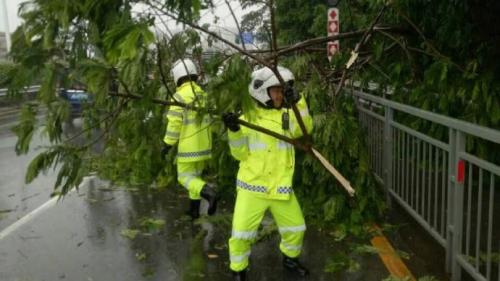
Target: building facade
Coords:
[[3, 46]]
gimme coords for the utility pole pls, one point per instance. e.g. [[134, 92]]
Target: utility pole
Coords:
[[5, 17]]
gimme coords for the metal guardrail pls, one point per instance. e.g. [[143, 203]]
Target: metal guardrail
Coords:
[[31, 89], [449, 191]]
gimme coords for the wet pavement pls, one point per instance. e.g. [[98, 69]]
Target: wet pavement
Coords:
[[101, 232], [426, 255], [83, 238], [16, 197]]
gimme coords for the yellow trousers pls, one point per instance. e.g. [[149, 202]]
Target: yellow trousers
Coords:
[[248, 213], [189, 176]]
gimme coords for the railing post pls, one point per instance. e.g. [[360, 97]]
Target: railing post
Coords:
[[458, 186], [450, 199], [455, 204], [388, 155]]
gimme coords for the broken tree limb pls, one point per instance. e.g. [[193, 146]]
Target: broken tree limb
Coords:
[[295, 142], [273, 67]]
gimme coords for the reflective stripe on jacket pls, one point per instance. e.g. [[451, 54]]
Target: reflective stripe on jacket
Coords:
[[187, 127], [267, 163]]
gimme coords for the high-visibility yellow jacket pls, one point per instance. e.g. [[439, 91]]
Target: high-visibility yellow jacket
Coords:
[[187, 127], [267, 163]]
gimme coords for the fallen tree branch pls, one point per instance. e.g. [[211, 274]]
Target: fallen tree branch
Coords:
[[259, 60], [295, 142], [274, 69]]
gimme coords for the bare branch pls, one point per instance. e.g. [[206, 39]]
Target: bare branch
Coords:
[[213, 34], [362, 41], [114, 116], [272, 67], [158, 101], [316, 41], [237, 24], [405, 49], [274, 31], [162, 74], [176, 50], [437, 53], [303, 45], [107, 117], [241, 122]]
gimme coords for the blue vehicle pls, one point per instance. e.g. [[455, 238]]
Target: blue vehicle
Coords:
[[77, 99]]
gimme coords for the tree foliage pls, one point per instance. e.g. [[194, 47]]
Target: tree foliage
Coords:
[[111, 50]]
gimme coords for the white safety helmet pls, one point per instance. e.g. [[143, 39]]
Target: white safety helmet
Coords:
[[264, 78], [182, 68]]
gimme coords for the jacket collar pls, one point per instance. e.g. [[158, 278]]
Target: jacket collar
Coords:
[[189, 84]]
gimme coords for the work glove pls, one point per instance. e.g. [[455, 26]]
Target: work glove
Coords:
[[291, 96], [164, 150], [231, 121]]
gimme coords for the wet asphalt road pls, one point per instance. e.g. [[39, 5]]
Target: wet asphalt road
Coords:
[[81, 237], [16, 197]]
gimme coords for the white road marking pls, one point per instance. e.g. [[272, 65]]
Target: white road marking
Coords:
[[30, 216]]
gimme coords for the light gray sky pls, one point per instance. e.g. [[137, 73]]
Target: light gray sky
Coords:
[[207, 16], [14, 20], [225, 25]]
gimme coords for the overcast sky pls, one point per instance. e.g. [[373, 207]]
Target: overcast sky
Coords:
[[14, 21], [207, 16]]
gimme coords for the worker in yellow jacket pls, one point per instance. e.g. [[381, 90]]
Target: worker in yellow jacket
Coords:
[[192, 134], [264, 180]]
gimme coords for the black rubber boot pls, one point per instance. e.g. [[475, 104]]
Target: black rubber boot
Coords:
[[194, 209], [240, 275], [208, 193], [293, 265]]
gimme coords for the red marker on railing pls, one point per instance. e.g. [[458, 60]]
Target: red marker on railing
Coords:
[[460, 171]]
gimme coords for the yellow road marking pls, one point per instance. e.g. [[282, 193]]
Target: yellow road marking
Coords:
[[390, 258]]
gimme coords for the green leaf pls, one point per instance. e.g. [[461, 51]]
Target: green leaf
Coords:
[[151, 224], [25, 129], [139, 256], [476, 91], [366, 249], [42, 162], [130, 233]]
